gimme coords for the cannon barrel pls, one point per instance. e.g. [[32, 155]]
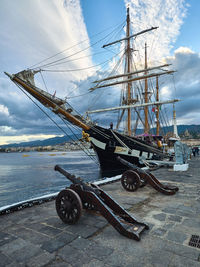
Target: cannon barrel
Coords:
[[130, 165], [76, 180], [71, 177]]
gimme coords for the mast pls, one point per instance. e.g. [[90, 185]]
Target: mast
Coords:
[[157, 108], [128, 50], [128, 61], [146, 123]]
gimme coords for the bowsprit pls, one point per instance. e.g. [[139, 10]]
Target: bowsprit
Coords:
[[71, 201]]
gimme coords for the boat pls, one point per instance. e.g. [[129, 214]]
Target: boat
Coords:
[[109, 143]]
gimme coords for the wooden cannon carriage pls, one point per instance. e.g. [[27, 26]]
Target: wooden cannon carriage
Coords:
[[79, 195], [136, 177]]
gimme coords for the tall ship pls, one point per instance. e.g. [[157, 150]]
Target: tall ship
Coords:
[[136, 102]]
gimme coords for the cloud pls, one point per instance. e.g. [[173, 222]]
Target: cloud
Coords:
[[166, 14], [187, 84], [35, 30], [6, 130], [3, 111], [22, 138], [184, 84], [45, 26]]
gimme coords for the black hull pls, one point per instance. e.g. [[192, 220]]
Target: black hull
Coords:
[[109, 164], [108, 145]]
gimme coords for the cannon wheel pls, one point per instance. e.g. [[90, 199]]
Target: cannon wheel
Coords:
[[143, 179], [130, 180], [69, 206]]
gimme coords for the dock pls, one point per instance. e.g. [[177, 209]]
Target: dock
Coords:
[[36, 236]]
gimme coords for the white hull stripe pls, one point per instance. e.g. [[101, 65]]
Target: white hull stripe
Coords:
[[98, 143], [124, 151], [134, 153], [120, 150]]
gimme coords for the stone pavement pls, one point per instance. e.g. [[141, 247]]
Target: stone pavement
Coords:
[[37, 237]]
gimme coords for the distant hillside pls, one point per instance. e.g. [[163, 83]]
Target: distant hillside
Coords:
[[190, 128], [181, 129], [193, 129], [46, 142]]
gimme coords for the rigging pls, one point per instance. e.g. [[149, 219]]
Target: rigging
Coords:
[[59, 127]]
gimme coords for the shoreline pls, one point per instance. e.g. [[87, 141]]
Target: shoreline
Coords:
[[46, 198]]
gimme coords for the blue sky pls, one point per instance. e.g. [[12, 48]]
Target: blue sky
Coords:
[[189, 33], [98, 15], [34, 30]]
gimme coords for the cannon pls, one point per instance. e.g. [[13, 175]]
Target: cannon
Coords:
[[78, 196], [136, 177]]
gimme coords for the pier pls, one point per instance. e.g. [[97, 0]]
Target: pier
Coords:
[[36, 236]]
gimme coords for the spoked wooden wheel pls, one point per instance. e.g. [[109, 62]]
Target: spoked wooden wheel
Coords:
[[130, 180], [68, 206]]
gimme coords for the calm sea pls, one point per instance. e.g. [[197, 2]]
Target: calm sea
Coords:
[[30, 175]]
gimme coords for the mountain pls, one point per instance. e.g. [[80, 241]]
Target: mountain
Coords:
[[194, 130], [191, 128], [47, 142]]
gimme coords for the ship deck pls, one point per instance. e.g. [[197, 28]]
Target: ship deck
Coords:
[[35, 236]]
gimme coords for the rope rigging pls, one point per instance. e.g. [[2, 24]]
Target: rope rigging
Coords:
[[59, 127], [46, 67], [94, 66], [69, 56], [75, 59], [31, 67], [106, 75]]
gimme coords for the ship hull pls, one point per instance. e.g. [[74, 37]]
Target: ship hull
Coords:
[[109, 145], [109, 164]]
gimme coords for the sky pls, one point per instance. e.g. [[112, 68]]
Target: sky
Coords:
[[32, 31]]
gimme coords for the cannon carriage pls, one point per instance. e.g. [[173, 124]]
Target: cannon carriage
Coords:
[[71, 201], [135, 177]]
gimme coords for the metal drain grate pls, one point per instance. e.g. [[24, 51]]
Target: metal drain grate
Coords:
[[195, 241]]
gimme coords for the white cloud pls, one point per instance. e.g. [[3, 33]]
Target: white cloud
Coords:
[[36, 30], [184, 50], [4, 110], [165, 92], [31, 32], [4, 140], [168, 15], [6, 130]]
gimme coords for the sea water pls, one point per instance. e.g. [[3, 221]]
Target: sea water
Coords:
[[28, 175]]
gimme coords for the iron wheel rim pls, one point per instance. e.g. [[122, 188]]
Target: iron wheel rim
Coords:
[[69, 206], [130, 180]]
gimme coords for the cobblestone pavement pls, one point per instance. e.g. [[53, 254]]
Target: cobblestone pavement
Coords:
[[37, 237]]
